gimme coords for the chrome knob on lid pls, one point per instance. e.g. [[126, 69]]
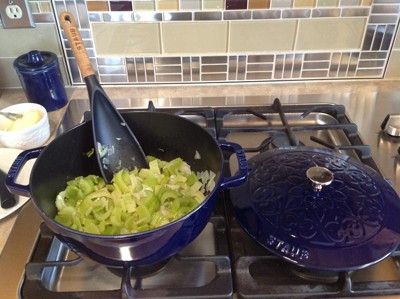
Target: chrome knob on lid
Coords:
[[319, 176]]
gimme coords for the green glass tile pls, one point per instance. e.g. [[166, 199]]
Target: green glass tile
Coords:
[[144, 5], [45, 7], [366, 2], [327, 3], [304, 3], [34, 6], [321, 34], [191, 37], [126, 39], [170, 5], [190, 5], [213, 4], [277, 35], [281, 3]]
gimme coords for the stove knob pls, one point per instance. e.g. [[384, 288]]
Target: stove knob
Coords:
[[391, 125]]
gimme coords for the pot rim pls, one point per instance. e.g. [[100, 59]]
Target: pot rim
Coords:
[[219, 178]]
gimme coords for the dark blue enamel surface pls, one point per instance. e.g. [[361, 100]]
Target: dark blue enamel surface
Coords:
[[161, 135], [350, 224]]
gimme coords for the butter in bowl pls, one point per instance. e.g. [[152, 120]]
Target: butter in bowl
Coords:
[[29, 130]]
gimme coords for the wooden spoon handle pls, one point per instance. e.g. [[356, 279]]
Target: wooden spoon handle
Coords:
[[75, 40]]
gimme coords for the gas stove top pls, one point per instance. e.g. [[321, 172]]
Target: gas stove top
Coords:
[[223, 262]]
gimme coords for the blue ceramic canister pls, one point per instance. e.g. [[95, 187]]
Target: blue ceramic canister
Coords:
[[40, 76]]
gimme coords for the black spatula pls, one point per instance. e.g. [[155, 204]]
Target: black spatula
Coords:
[[115, 145]]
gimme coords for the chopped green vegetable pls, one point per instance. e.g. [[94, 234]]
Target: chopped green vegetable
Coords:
[[90, 152], [135, 201]]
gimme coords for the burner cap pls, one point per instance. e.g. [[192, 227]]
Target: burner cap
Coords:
[[320, 276], [282, 140], [391, 125], [141, 271]]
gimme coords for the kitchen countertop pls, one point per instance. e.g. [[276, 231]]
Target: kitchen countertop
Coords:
[[359, 87]]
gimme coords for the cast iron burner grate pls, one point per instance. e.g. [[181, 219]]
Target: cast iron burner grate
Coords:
[[185, 276], [260, 274], [284, 123], [204, 116]]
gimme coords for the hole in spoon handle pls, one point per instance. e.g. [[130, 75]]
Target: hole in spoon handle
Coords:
[[70, 27]]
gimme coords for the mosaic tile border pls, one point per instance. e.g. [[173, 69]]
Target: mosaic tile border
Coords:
[[42, 12], [234, 68], [369, 62], [273, 14]]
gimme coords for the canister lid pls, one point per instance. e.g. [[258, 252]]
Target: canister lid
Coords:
[[35, 61]]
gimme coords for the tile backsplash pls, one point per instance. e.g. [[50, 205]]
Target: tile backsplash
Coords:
[[199, 41]]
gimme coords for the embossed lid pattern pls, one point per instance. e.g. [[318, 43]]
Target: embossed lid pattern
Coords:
[[280, 208]]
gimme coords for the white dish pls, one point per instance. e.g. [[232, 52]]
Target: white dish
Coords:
[[30, 137], [7, 157]]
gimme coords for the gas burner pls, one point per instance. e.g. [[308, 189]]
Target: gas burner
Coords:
[[282, 140], [314, 275], [201, 270], [141, 271], [278, 140]]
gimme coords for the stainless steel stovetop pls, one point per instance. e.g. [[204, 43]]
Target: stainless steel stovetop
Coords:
[[223, 262]]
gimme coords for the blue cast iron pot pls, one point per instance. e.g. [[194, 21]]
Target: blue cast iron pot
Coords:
[[161, 135]]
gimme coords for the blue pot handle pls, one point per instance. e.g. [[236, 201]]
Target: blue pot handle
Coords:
[[15, 169], [241, 176]]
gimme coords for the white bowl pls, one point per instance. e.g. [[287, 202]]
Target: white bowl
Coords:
[[31, 137]]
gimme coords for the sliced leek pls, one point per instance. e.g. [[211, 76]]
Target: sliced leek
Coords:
[[135, 201]]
